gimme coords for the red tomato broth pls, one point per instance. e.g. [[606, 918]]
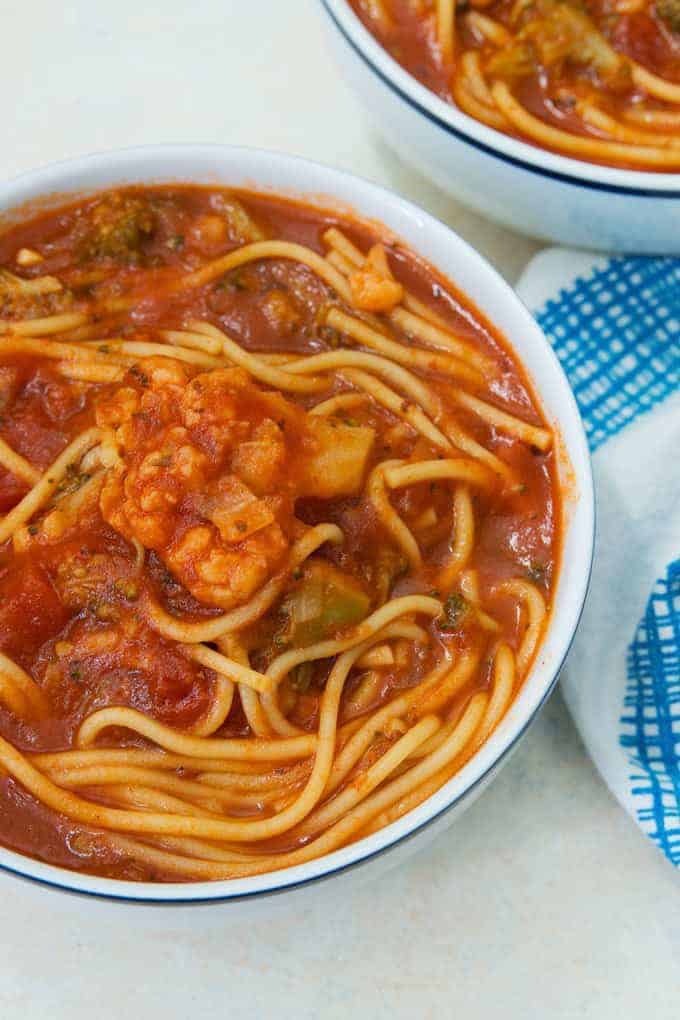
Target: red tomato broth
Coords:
[[90, 648]]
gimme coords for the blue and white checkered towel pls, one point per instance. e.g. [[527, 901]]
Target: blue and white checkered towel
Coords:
[[615, 325]]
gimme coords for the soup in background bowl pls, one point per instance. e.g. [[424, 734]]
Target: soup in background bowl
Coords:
[[555, 119], [288, 532], [598, 81]]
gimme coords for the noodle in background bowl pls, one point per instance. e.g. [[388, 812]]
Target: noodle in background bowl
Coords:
[[281, 174], [529, 189]]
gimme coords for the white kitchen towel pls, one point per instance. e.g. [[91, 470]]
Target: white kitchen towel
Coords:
[[615, 325]]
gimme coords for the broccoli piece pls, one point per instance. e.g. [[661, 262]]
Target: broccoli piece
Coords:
[[455, 610], [118, 226]]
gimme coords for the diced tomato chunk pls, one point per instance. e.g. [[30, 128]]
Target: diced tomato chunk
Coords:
[[30, 610]]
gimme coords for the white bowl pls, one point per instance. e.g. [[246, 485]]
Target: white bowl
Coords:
[[268, 171], [531, 190]]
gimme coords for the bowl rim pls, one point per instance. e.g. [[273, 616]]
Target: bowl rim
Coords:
[[139, 165], [506, 148]]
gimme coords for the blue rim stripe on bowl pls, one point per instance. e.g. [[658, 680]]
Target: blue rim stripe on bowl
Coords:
[[616, 189]]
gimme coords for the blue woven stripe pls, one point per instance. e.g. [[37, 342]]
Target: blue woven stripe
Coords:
[[651, 718], [617, 335]]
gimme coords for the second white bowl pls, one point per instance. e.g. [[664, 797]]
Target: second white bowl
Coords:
[[531, 190]]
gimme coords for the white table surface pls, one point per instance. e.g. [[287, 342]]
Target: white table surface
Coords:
[[544, 902]]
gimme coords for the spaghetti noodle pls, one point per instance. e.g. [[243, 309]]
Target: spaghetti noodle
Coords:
[[279, 530]]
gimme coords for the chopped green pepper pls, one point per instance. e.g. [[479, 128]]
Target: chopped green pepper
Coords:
[[324, 601]]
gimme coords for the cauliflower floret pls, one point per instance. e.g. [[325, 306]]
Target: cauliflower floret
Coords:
[[209, 472], [162, 373], [241, 226], [211, 398], [222, 574], [208, 233], [183, 483], [32, 298], [117, 408], [153, 487], [373, 287], [261, 460], [280, 311]]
